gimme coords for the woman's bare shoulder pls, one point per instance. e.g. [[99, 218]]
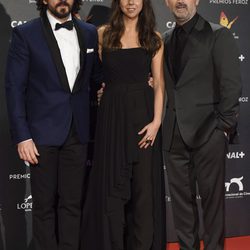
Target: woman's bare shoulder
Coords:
[[158, 34]]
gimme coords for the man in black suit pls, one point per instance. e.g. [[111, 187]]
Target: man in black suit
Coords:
[[203, 87], [52, 60]]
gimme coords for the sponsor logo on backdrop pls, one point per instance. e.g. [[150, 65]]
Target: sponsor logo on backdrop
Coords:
[[235, 188], [243, 99], [26, 205], [224, 21], [19, 176], [235, 155], [235, 35], [17, 23], [237, 181], [170, 24], [242, 58], [236, 2]]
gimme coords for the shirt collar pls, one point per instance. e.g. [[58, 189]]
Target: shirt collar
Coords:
[[188, 26], [53, 21]]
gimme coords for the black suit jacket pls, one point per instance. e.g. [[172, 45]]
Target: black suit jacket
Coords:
[[207, 94]]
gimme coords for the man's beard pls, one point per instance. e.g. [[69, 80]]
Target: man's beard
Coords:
[[63, 12]]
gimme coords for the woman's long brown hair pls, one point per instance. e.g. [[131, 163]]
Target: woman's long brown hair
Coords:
[[148, 39]]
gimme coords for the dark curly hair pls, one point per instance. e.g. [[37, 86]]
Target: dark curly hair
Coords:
[[146, 28], [43, 7]]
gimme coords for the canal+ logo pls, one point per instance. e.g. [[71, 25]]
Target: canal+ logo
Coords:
[[236, 155]]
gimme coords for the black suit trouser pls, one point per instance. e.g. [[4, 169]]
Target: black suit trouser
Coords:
[[57, 192], [204, 166]]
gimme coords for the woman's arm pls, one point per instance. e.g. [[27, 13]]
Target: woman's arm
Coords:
[[157, 69], [100, 42], [159, 89], [100, 39]]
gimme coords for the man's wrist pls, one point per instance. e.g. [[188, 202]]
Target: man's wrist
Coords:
[[25, 141]]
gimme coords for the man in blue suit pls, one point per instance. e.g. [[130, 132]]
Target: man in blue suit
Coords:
[[51, 62]]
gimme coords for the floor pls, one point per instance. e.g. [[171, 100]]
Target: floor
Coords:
[[236, 243]]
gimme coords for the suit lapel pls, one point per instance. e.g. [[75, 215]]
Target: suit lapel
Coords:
[[191, 49], [81, 41], [55, 52]]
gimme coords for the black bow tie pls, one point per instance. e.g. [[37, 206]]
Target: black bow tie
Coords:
[[67, 25]]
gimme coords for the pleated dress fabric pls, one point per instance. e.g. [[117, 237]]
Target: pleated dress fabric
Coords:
[[126, 107]]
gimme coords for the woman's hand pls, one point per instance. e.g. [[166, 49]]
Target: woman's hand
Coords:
[[150, 131], [100, 93]]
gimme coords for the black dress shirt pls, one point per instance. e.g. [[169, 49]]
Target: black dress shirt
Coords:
[[180, 37]]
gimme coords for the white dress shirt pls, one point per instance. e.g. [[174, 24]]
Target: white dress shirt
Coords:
[[67, 41]]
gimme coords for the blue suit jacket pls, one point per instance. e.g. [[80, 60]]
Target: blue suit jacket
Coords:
[[39, 100]]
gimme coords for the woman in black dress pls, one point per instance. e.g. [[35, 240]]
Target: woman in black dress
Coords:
[[124, 209]]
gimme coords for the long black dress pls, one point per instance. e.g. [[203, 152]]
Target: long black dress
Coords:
[[125, 205]]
